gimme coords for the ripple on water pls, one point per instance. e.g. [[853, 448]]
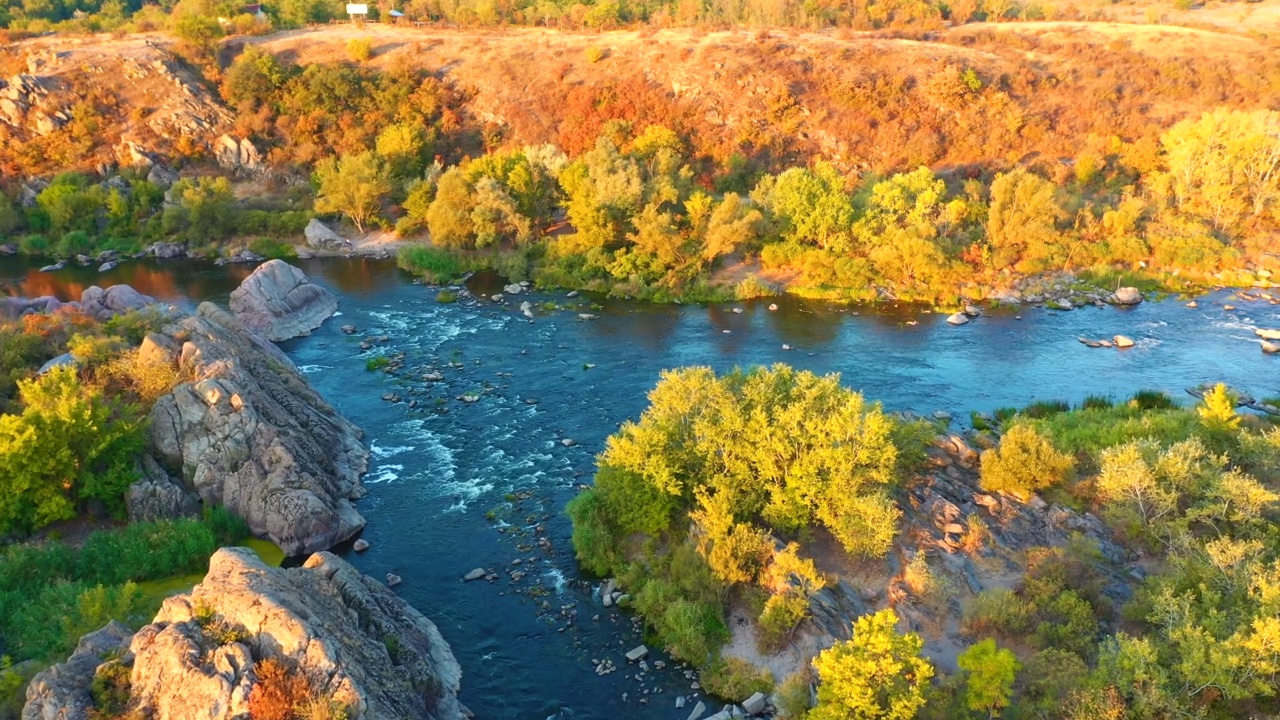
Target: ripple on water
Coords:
[[308, 369]]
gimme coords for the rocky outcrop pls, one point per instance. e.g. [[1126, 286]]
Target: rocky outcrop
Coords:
[[248, 432], [62, 691], [279, 302], [353, 641]]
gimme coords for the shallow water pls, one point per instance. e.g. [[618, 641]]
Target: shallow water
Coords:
[[437, 470]]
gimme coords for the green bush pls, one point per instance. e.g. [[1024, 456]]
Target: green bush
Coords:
[[434, 264], [1046, 408], [377, 363], [996, 612], [1152, 400], [110, 688], [735, 680], [1097, 402], [273, 249], [1023, 463], [445, 297]]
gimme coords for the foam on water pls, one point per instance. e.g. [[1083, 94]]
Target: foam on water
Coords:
[[386, 452], [557, 579], [383, 474], [308, 369]]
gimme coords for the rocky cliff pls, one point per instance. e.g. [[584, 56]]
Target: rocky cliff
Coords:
[[279, 302], [353, 643], [247, 431]]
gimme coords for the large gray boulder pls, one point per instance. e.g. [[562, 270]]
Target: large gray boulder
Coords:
[[353, 640], [115, 300], [250, 433], [279, 302], [322, 237], [1128, 296]]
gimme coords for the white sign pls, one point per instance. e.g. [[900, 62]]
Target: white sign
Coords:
[[357, 9]]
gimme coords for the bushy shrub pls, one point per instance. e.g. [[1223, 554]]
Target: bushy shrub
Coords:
[[272, 249], [735, 679], [110, 688], [359, 49], [1023, 463], [279, 690]]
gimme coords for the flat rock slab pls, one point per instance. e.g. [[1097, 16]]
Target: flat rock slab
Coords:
[[637, 653]]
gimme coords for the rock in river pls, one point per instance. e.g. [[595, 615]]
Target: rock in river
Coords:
[[324, 620], [1128, 296], [250, 433], [1270, 348], [958, 319], [1123, 341], [279, 302]]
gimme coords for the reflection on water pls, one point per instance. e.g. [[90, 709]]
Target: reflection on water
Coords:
[[176, 281]]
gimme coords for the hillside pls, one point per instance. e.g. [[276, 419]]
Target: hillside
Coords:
[[862, 100]]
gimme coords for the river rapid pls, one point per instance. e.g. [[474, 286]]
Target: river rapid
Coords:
[[440, 469]]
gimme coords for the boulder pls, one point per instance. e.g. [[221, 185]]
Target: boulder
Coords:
[[476, 574], [958, 319], [1128, 296], [279, 302], [325, 621], [1123, 341], [755, 704], [1266, 334], [698, 711], [360, 545], [513, 289], [115, 300], [167, 250], [250, 433], [1270, 348], [321, 237]]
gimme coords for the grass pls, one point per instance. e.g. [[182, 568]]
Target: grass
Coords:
[[1088, 431], [377, 363], [444, 297], [436, 265]]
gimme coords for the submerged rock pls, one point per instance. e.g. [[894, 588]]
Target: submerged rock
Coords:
[[250, 433], [355, 642], [279, 302]]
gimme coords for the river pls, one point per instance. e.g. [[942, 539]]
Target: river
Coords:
[[438, 470]]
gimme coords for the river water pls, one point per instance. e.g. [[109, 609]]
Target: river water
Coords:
[[456, 485]]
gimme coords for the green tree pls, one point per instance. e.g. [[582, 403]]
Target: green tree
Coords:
[[1022, 222], [68, 446], [812, 207], [403, 146], [253, 79], [877, 674], [990, 672], [1224, 166], [354, 185]]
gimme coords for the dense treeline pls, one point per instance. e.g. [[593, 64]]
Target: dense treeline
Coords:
[[690, 502], [1205, 201]]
